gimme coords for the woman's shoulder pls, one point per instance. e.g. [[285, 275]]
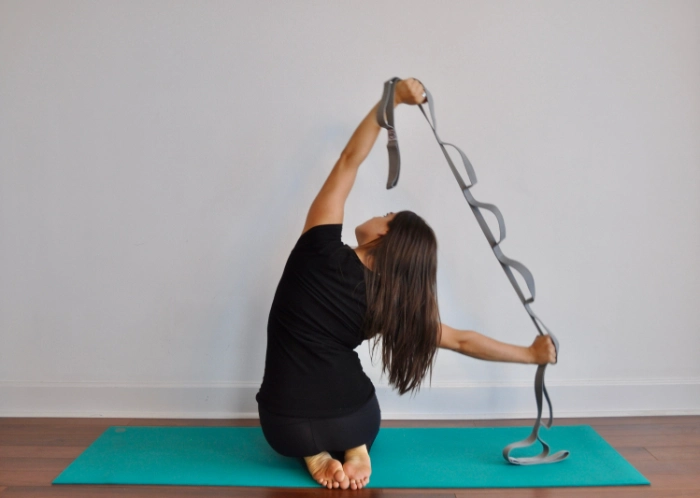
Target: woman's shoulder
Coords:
[[317, 230], [320, 237]]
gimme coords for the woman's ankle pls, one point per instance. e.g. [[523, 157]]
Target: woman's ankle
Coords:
[[314, 458], [359, 451]]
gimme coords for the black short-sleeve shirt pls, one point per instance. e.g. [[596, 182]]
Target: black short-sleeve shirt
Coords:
[[311, 368]]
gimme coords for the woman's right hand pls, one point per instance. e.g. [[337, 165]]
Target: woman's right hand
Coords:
[[542, 350], [409, 91]]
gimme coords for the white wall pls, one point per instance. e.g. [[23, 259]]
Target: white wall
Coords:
[[157, 160]]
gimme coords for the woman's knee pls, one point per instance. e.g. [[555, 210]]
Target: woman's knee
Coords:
[[293, 440]]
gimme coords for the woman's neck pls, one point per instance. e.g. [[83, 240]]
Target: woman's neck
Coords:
[[362, 254]]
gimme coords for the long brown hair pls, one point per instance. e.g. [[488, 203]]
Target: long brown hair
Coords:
[[402, 307]]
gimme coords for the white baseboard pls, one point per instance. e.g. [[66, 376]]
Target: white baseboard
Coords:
[[444, 400]]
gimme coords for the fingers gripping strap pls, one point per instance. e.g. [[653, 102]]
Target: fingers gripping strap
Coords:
[[385, 118]]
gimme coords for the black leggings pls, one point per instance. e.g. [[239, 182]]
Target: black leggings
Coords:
[[300, 436]]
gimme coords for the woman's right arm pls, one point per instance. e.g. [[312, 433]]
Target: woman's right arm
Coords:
[[476, 345]]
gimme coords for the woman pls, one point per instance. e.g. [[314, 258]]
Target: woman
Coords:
[[315, 401]]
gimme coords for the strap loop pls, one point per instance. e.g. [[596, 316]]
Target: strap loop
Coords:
[[385, 118]]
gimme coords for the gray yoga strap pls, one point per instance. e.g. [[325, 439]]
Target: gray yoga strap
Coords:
[[385, 118]]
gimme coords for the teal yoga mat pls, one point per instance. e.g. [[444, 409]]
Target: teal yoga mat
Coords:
[[401, 458]]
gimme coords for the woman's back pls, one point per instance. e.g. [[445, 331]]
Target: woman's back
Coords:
[[315, 323]]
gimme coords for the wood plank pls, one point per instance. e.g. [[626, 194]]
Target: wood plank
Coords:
[[194, 422], [27, 477], [597, 492], [690, 467], [413, 493], [651, 441], [634, 454], [686, 483], [39, 451], [671, 475], [669, 429], [71, 422], [592, 421], [598, 421], [56, 465], [676, 453], [427, 423], [78, 436], [89, 491]]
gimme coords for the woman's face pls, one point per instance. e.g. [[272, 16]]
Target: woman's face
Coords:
[[373, 228]]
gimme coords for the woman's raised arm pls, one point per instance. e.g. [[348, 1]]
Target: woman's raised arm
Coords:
[[329, 205]]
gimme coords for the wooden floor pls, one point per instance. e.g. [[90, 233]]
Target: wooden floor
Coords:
[[33, 451]]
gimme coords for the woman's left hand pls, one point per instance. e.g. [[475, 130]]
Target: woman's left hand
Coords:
[[409, 91], [543, 351]]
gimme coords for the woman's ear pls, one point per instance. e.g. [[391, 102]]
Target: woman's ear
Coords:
[[384, 230]]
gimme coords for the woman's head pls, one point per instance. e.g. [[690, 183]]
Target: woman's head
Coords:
[[402, 306], [373, 228]]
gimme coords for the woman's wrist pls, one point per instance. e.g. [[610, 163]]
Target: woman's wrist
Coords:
[[530, 355]]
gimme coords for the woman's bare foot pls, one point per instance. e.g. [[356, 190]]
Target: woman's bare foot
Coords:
[[357, 466], [327, 471]]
